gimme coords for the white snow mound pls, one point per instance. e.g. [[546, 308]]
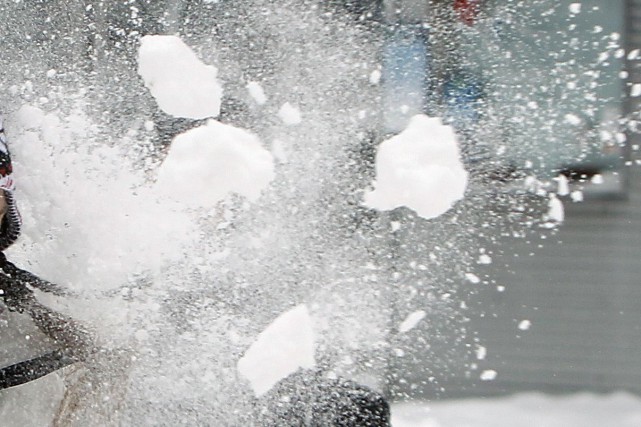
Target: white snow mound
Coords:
[[205, 164], [181, 84], [285, 346], [420, 168]]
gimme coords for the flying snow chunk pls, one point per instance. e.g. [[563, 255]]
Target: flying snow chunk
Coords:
[[575, 8], [411, 321], [285, 346], [205, 164], [181, 84], [289, 114], [636, 90], [257, 93], [420, 168]]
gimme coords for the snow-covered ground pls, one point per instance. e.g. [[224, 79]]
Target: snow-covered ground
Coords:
[[524, 410]]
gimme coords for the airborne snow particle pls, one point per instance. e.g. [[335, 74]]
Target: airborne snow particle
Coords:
[[572, 119], [206, 164], [635, 90], [257, 93], [473, 278], [563, 188], [289, 114], [286, 345], [488, 375], [575, 8], [484, 259], [424, 161], [555, 209], [411, 321], [524, 325]]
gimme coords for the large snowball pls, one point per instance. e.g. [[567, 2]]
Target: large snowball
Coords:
[[420, 168], [285, 346], [181, 84], [205, 164]]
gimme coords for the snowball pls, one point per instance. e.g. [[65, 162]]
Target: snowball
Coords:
[[285, 346], [205, 164], [181, 84], [575, 8], [411, 321], [597, 179], [257, 93], [481, 352], [289, 114], [635, 90], [420, 168]]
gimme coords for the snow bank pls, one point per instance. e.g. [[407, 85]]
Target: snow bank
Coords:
[[525, 410], [286, 345], [420, 168], [181, 84], [205, 164]]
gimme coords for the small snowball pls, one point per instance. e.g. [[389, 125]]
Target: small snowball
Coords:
[[575, 8]]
